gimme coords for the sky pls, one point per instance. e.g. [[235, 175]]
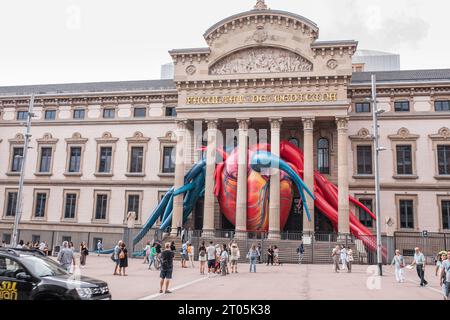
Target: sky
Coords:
[[68, 41]]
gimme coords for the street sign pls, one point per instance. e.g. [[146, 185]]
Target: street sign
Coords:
[[425, 233]]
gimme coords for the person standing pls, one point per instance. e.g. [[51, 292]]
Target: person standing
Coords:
[[399, 262], [184, 254], [152, 257], [444, 275], [420, 262], [115, 257], [234, 257], [276, 255], [123, 260], [301, 252], [343, 257], [42, 246], [224, 260], [99, 247], [270, 255], [335, 255], [172, 246], [190, 252], [259, 248], [147, 253], [83, 254], [350, 260], [211, 252], [252, 255], [66, 257], [158, 255], [166, 268], [202, 257]]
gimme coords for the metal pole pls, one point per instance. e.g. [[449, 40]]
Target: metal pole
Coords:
[[375, 113], [19, 205]]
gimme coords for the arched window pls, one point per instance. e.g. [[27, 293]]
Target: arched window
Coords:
[[323, 156], [295, 142]]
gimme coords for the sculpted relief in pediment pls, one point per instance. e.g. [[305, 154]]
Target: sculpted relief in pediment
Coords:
[[261, 60]]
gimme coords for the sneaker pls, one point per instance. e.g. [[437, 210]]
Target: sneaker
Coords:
[[167, 292]]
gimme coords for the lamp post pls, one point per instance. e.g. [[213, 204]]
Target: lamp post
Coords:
[[376, 112], [19, 206]]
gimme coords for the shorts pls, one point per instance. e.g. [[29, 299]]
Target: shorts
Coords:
[[233, 262], [117, 261], [166, 274], [183, 256], [446, 289], [211, 263]]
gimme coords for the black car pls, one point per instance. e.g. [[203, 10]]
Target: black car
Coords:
[[30, 275]]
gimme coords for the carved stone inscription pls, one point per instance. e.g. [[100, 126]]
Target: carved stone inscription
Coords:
[[261, 60]]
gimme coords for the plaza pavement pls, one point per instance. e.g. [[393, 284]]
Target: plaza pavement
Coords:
[[288, 282]]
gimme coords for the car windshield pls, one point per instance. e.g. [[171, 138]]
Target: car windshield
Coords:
[[43, 267]]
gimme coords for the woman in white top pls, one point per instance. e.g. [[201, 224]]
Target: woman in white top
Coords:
[[399, 263], [350, 260], [224, 260], [234, 257]]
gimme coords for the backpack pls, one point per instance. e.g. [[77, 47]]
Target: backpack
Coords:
[[202, 253], [121, 255]]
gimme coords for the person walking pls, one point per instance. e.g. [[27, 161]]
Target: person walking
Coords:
[[224, 260], [166, 269], [420, 262], [123, 260], [202, 257], [343, 258], [172, 246], [190, 252], [84, 252], [115, 257], [350, 260], [270, 255], [276, 255], [184, 254], [99, 247], [211, 253], [147, 252], [158, 255], [259, 248], [66, 258], [152, 257], [444, 275], [252, 255], [301, 252], [399, 263], [335, 255], [234, 257]]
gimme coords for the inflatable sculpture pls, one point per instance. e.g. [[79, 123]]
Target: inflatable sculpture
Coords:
[[260, 160]]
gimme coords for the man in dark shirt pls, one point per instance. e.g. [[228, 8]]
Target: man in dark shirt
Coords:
[[158, 255], [166, 268], [270, 255]]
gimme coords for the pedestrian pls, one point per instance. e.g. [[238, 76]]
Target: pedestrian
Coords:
[[115, 257], [66, 258], [276, 255], [72, 246], [42, 246], [420, 262], [444, 275], [301, 252], [335, 255], [343, 257], [123, 260], [184, 254], [202, 257], [234, 257], [190, 252], [211, 252], [259, 248], [183, 235], [172, 246], [252, 255], [158, 255], [439, 261], [152, 256], [84, 252], [99, 247], [147, 253], [20, 245], [350, 260], [217, 264], [224, 260], [399, 262], [46, 248], [270, 255], [166, 268]]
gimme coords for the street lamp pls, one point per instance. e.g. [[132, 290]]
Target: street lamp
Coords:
[[19, 205]]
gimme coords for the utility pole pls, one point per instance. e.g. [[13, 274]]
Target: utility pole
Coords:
[[19, 205], [376, 113]]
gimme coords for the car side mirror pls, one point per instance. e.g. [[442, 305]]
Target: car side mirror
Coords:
[[23, 276]]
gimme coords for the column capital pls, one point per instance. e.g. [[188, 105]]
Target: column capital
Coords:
[[342, 123], [182, 124], [243, 123], [308, 123], [275, 123], [212, 123]]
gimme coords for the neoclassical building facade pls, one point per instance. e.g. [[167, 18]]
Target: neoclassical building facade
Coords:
[[101, 150]]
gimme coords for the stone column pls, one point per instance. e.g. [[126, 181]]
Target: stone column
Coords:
[[274, 204], [208, 213], [180, 166], [241, 199], [343, 205], [308, 176]]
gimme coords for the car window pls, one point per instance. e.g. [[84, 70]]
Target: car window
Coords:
[[9, 268], [43, 267]]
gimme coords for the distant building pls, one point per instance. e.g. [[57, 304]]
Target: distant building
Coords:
[[370, 60], [167, 71]]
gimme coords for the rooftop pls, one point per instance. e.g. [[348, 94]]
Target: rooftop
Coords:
[[407, 76]]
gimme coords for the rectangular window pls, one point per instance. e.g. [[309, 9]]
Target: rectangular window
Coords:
[[171, 112], [17, 159], [75, 160], [78, 114], [45, 160], [133, 204], [109, 113], [50, 115], [105, 160], [22, 115], [364, 159], [404, 160], [41, 202], [364, 217], [35, 238], [137, 158], [444, 159], [7, 238], [446, 214], [140, 112], [406, 214], [71, 206], [443, 105], [66, 238], [401, 106], [362, 107], [101, 206], [169, 160], [11, 203]]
